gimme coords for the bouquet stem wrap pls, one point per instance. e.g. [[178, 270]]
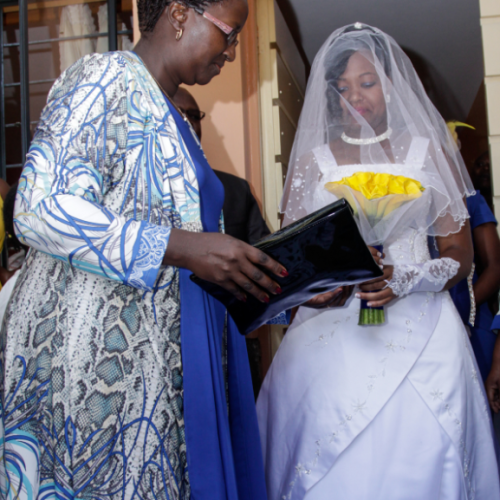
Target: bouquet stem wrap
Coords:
[[372, 315]]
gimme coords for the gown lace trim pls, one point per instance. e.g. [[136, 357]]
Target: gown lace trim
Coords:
[[431, 276]]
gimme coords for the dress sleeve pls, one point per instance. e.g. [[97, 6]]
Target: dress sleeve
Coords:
[[79, 147], [479, 211]]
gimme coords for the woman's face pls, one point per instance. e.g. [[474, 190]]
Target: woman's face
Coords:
[[205, 46], [361, 88]]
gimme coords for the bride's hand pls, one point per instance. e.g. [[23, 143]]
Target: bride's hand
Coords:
[[384, 295], [337, 298], [377, 256]]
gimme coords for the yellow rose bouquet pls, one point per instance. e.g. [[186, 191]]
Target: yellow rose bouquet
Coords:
[[373, 197]]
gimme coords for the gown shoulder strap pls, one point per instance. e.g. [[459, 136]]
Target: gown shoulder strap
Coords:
[[416, 153], [324, 158]]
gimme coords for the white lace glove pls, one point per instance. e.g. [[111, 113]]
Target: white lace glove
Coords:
[[431, 276]]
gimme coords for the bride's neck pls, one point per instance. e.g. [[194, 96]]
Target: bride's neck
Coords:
[[355, 132]]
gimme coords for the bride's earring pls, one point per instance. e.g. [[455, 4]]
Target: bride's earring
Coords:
[[179, 34], [387, 98]]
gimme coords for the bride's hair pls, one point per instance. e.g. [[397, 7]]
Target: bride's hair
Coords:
[[335, 69]]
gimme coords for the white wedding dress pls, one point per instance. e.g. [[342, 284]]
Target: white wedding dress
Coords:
[[390, 412]]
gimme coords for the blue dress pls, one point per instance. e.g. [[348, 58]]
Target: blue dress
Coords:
[[496, 322], [482, 338], [235, 470]]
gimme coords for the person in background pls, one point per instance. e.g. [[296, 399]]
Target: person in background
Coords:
[[471, 295], [493, 380], [242, 217], [4, 191], [481, 177]]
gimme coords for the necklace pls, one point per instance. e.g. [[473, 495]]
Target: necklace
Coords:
[[366, 142], [184, 117]]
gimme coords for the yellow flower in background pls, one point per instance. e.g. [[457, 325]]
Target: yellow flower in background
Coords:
[[374, 186], [452, 127]]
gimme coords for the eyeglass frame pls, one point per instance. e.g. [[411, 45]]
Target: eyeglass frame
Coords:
[[230, 32], [189, 113]]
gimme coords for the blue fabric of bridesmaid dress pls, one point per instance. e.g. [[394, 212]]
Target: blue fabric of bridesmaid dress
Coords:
[[223, 444], [482, 337]]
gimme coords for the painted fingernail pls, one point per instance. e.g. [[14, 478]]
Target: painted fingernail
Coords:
[[379, 254], [358, 295], [381, 267], [278, 290], [243, 299], [284, 273], [370, 304], [266, 300]]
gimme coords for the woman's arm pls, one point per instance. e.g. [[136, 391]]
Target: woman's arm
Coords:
[[459, 248], [78, 154], [487, 246], [89, 143]]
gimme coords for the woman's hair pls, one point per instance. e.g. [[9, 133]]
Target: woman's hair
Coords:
[[335, 67], [149, 11]]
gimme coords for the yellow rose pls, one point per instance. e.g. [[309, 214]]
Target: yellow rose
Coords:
[[374, 186]]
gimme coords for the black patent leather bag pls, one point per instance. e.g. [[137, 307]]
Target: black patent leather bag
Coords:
[[320, 252]]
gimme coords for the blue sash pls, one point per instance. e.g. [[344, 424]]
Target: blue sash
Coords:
[[223, 450]]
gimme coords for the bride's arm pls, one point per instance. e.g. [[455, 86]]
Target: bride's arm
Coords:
[[456, 255], [458, 247]]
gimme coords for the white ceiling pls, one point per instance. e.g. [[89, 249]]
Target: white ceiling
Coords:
[[444, 35]]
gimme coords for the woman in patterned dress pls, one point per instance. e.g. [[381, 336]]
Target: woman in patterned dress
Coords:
[[117, 376]]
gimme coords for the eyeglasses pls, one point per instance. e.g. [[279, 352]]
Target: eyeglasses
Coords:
[[231, 33], [194, 114]]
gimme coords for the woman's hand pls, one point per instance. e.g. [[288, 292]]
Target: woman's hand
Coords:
[[493, 388], [337, 298], [384, 295], [226, 261], [493, 381]]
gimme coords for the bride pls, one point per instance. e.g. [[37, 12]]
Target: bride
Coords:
[[393, 411]]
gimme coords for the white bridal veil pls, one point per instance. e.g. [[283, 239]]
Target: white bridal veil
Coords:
[[338, 136]]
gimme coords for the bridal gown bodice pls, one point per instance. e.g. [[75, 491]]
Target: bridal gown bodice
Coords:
[[408, 247], [331, 378]]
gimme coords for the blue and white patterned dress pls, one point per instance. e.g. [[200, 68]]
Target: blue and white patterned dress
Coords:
[[92, 400]]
